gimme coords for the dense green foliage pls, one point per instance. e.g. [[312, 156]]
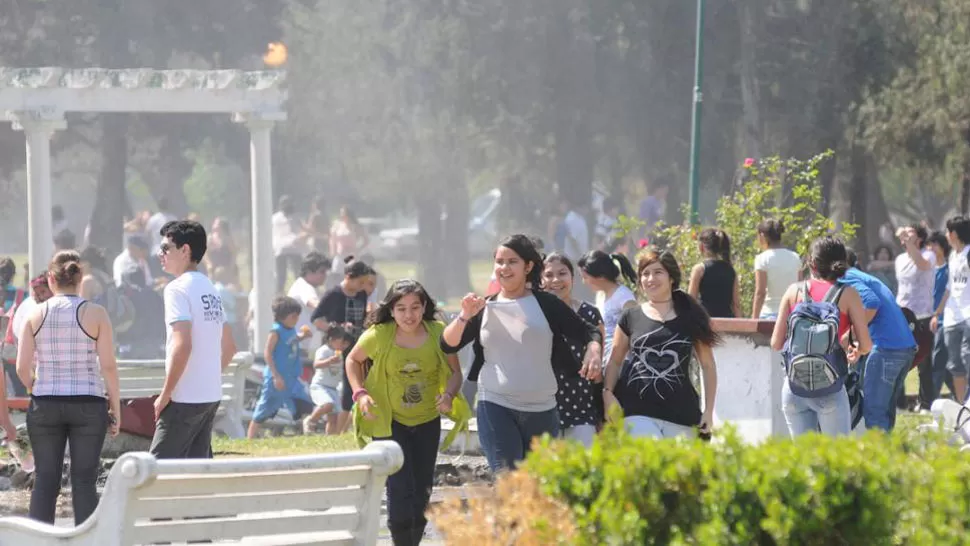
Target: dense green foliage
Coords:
[[785, 189], [815, 490]]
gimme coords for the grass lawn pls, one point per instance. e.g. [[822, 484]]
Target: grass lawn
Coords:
[[282, 445]]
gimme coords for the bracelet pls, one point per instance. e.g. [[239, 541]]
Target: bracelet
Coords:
[[358, 393], [462, 319]]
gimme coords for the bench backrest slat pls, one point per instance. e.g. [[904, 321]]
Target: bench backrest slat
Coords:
[[229, 504], [196, 484], [236, 528]]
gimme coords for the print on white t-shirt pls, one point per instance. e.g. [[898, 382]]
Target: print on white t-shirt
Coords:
[[192, 298], [957, 308]]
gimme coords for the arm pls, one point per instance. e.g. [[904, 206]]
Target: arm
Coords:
[[760, 291], [25, 351], [109, 365], [914, 253], [859, 317], [228, 345], [621, 345], [271, 342], [938, 312], [443, 401], [177, 360], [780, 332], [326, 362], [694, 286], [319, 315], [466, 326], [10, 431], [705, 355]]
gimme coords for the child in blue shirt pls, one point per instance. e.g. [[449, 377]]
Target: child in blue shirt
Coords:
[[281, 377]]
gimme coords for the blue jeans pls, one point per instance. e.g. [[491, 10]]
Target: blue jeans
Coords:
[[506, 434], [881, 383], [830, 415]]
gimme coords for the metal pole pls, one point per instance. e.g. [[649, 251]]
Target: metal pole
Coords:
[[695, 132]]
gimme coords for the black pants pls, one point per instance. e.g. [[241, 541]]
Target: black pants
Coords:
[[184, 431], [409, 490], [283, 261], [925, 366], [53, 422]]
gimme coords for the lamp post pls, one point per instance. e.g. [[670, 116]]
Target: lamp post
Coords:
[[695, 132]]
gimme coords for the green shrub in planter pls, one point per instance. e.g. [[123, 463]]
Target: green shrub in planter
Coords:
[[814, 490]]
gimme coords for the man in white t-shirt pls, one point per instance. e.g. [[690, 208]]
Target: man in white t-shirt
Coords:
[[577, 234], [313, 273], [199, 346], [289, 240], [955, 306], [916, 277]]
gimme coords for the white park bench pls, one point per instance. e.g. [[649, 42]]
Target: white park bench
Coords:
[[332, 499], [144, 378]]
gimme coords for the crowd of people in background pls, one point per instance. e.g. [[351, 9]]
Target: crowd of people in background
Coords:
[[567, 337]]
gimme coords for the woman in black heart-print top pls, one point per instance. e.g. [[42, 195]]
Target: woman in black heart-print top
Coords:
[[660, 335]]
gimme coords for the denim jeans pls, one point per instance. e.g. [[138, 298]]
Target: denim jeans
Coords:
[[957, 339], [881, 384], [52, 423], [409, 489], [830, 415], [506, 434], [641, 426]]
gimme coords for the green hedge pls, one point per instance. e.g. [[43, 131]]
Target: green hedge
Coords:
[[879, 489]]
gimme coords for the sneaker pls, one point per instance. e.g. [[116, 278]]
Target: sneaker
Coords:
[[307, 426]]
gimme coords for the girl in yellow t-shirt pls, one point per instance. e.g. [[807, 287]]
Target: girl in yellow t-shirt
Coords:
[[402, 396]]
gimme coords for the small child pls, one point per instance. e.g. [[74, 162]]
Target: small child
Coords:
[[328, 363], [281, 377]]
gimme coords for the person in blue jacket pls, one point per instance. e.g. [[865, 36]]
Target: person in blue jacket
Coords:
[[893, 348]]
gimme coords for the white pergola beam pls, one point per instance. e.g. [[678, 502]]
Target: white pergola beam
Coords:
[[35, 100]]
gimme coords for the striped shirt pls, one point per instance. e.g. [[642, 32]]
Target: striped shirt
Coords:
[[67, 357]]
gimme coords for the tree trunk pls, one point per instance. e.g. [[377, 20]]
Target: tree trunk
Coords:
[[431, 268], [107, 218], [456, 256], [858, 198]]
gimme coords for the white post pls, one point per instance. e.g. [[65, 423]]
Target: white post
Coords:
[[39, 127], [263, 262]]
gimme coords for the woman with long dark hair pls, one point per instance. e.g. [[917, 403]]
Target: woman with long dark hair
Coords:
[[66, 360], [411, 383], [579, 412], [829, 414], [520, 342], [653, 386], [714, 282], [602, 272]]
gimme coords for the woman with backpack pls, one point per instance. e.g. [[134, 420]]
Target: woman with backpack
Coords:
[[814, 397], [714, 282]]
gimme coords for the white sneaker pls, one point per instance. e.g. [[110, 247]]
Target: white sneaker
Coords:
[[307, 426]]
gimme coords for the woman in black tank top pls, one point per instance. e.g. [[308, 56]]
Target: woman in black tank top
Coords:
[[714, 282]]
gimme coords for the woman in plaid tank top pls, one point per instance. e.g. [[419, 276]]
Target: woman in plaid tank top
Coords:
[[66, 359]]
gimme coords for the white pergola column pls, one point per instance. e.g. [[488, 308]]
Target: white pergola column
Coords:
[[38, 127], [261, 178]]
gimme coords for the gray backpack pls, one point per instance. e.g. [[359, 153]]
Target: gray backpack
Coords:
[[814, 360]]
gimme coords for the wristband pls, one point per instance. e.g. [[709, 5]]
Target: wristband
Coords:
[[462, 319], [358, 393]]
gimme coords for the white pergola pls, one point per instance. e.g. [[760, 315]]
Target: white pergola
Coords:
[[36, 99]]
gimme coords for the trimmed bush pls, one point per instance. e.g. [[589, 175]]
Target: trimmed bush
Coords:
[[814, 490]]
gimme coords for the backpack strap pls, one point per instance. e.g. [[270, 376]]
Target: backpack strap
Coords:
[[834, 294], [806, 291]]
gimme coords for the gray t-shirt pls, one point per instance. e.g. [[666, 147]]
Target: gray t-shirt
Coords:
[[517, 342], [915, 287], [329, 376]]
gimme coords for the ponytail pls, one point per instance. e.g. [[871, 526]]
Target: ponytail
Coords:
[[696, 321], [716, 243], [625, 267]]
